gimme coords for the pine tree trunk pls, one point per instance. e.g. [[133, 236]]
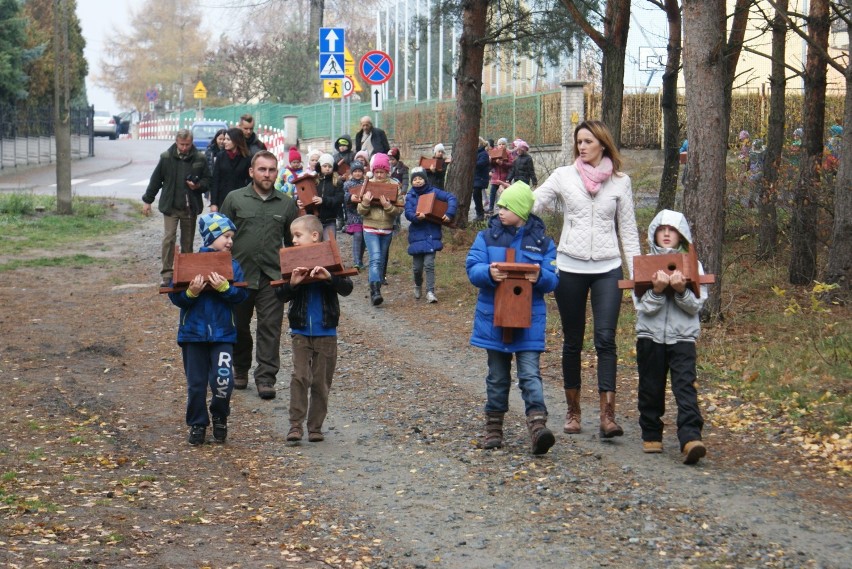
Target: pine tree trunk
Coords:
[[839, 268], [767, 235], [707, 125], [616, 26], [668, 103], [803, 259], [468, 104]]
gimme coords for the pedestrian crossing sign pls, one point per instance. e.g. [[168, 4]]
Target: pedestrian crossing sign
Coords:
[[331, 66]]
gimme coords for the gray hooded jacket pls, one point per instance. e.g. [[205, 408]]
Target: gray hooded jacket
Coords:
[[669, 319]]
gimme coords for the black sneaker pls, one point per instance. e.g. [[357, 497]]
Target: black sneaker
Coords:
[[220, 429], [197, 434]]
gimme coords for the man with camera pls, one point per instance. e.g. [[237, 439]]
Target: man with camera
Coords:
[[183, 175]]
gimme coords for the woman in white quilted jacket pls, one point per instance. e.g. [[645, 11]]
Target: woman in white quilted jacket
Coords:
[[598, 233]]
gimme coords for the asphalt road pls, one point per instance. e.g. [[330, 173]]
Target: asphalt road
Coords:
[[120, 169]]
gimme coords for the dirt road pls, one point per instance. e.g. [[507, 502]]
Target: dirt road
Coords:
[[95, 470]]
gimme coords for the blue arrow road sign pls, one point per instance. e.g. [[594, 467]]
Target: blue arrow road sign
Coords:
[[332, 40], [331, 53]]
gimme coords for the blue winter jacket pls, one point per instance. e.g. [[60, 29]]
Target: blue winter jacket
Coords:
[[531, 246], [210, 316], [425, 236], [481, 172]]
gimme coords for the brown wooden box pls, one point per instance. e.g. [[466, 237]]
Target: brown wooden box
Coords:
[[432, 163], [682, 157], [306, 191], [388, 189], [323, 254], [513, 296], [499, 153], [188, 265], [644, 267], [433, 208], [343, 168]]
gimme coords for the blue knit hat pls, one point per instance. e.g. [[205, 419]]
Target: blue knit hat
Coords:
[[212, 225]]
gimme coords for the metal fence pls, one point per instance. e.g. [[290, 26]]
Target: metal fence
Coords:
[[537, 118], [27, 135]]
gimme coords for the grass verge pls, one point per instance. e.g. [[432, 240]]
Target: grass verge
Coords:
[[29, 221]]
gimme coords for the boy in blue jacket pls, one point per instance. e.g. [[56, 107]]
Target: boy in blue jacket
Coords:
[[424, 236], [207, 334], [514, 226], [313, 314]]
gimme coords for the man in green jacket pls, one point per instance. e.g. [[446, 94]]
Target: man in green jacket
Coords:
[[263, 217], [183, 175]]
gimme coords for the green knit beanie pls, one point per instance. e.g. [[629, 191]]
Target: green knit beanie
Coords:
[[517, 198]]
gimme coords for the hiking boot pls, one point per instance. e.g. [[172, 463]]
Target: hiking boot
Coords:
[[493, 431], [418, 292], [197, 434], [540, 436], [572, 416], [266, 391], [693, 451], [295, 433], [220, 429], [652, 447], [315, 437], [240, 379], [431, 298], [376, 294], [609, 428]]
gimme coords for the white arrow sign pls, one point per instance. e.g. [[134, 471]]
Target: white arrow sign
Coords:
[[331, 38], [376, 98]]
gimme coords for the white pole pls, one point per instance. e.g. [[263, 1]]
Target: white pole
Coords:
[[441, 60], [455, 62], [428, 61], [417, 56], [407, 22], [396, 51]]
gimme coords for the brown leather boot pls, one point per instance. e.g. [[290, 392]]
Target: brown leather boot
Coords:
[[540, 436], [609, 428], [572, 417], [493, 431]]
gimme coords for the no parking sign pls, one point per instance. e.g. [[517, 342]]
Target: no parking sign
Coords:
[[376, 67]]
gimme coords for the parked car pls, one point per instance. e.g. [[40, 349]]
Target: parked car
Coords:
[[203, 131], [105, 125]]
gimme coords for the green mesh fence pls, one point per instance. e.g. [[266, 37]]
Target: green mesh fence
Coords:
[[536, 118]]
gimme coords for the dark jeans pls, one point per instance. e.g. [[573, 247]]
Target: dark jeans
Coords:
[[270, 315], [477, 202], [492, 197], [571, 294], [655, 361], [498, 382], [207, 364]]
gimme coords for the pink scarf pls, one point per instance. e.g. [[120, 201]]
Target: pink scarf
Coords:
[[593, 176]]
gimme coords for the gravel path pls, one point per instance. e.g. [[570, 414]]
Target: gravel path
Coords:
[[401, 452], [400, 462]]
